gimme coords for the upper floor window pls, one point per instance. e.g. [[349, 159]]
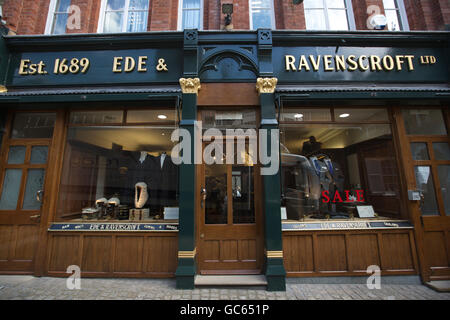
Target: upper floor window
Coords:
[[261, 14], [396, 15], [57, 17], [123, 16], [190, 14], [329, 15]]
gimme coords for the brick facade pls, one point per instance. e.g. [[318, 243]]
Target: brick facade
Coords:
[[30, 16]]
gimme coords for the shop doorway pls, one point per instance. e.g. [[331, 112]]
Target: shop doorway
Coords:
[[230, 236], [24, 181], [424, 134]]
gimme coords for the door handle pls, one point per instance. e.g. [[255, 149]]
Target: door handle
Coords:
[[39, 195], [203, 196], [37, 217], [202, 235]]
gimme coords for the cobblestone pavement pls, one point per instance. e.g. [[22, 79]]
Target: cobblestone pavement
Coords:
[[31, 288]]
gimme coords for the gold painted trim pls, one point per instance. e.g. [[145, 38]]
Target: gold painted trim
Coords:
[[190, 85], [274, 254], [187, 254], [3, 89], [266, 85]]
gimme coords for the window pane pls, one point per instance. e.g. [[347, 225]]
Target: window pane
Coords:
[[392, 20], [243, 194], [216, 203], [39, 155], [16, 154], [441, 151], [11, 188], [191, 4], [155, 116], [33, 125], [115, 5], [338, 19], [60, 23], [313, 4], [444, 180], [315, 19], [331, 4], [191, 19], [137, 21], [261, 18], [138, 4], [389, 4], [118, 162], [35, 183], [424, 182], [96, 117], [419, 151], [300, 114], [113, 22], [361, 115], [424, 122]]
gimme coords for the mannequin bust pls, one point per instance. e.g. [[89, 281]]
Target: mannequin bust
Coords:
[[141, 195]]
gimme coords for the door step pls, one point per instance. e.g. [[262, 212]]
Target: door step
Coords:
[[241, 280], [440, 285]]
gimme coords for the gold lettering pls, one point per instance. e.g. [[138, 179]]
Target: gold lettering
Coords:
[[361, 64], [399, 62], [142, 62], [41, 67], [353, 65], [432, 59], [290, 60], [340, 63], [315, 63], [129, 64], [23, 67], [375, 63], [117, 64], [388, 63], [327, 62], [410, 62], [32, 68], [303, 63]]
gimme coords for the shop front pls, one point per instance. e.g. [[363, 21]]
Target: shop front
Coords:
[[180, 154]]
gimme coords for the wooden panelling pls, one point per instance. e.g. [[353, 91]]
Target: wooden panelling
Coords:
[[436, 253], [128, 254], [5, 238], [332, 253], [114, 255], [64, 251], [212, 251], [298, 252], [26, 241], [396, 254], [161, 255], [96, 253], [362, 251], [229, 250], [247, 250], [348, 252]]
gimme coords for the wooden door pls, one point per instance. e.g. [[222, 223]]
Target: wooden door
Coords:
[[229, 238], [424, 140], [23, 183]]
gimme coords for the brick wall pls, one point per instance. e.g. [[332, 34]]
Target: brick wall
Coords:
[[30, 16]]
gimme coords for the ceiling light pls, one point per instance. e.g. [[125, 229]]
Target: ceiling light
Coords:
[[344, 115], [161, 116], [298, 116]]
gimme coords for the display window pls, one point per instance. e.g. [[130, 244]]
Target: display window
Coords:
[[117, 166], [338, 163]]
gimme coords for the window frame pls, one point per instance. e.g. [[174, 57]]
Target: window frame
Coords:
[[51, 16], [180, 15], [126, 10], [401, 15], [348, 10], [272, 15]]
